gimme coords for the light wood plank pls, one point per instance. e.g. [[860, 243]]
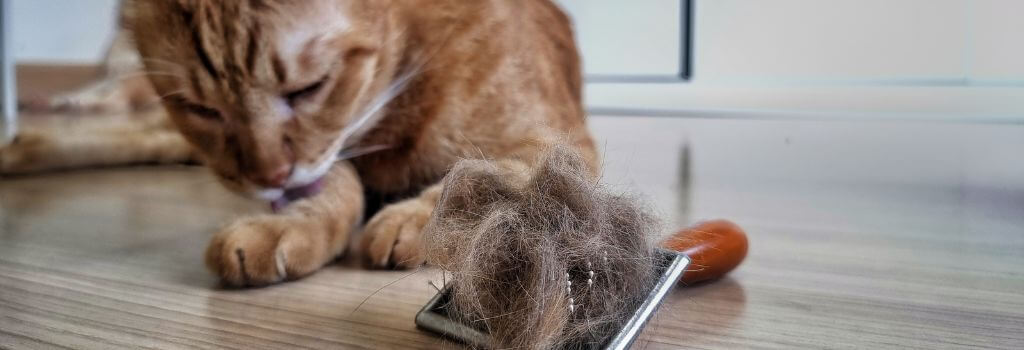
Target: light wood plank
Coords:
[[877, 243]]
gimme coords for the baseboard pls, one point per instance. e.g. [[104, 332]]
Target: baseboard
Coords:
[[973, 104]]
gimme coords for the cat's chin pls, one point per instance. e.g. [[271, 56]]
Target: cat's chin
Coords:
[[268, 194]]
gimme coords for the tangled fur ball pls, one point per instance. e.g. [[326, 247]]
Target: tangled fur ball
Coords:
[[542, 258]]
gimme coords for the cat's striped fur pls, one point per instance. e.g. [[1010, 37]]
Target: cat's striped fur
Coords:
[[271, 92]]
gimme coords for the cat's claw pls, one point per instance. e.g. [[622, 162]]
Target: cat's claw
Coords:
[[392, 237]]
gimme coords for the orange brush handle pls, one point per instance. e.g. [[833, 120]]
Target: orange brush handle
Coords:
[[715, 247]]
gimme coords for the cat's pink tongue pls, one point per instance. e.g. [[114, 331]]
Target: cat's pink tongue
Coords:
[[294, 194], [279, 204]]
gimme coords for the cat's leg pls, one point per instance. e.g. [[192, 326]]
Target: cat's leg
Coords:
[[93, 143], [392, 237], [267, 249]]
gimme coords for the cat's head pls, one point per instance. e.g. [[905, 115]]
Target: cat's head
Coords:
[[268, 91]]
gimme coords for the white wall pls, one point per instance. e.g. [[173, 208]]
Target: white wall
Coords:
[[997, 51], [61, 31], [921, 59], [634, 38], [860, 41], [741, 41], [955, 60], [831, 40]]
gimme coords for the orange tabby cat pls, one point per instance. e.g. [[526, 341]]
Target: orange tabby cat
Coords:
[[323, 106]]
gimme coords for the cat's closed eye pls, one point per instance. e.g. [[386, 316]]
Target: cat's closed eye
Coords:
[[198, 110], [203, 111], [296, 96]]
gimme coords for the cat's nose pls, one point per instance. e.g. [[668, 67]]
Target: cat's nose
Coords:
[[273, 178]]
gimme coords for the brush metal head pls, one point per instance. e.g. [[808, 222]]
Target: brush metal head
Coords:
[[435, 316]]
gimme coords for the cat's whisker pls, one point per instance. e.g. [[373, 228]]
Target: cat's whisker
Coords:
[[363, 122], [350, 153], [172, 93], [351, 133], [382, 288]]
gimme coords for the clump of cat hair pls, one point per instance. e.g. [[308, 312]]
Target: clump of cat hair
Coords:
[[542, 258]]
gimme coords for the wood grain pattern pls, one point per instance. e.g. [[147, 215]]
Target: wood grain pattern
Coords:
[[858, 239]]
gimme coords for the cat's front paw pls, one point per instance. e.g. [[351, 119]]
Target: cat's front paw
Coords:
[[265, 250], [392, 237]]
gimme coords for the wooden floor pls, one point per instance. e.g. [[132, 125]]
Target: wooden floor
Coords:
[[863, 235]]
